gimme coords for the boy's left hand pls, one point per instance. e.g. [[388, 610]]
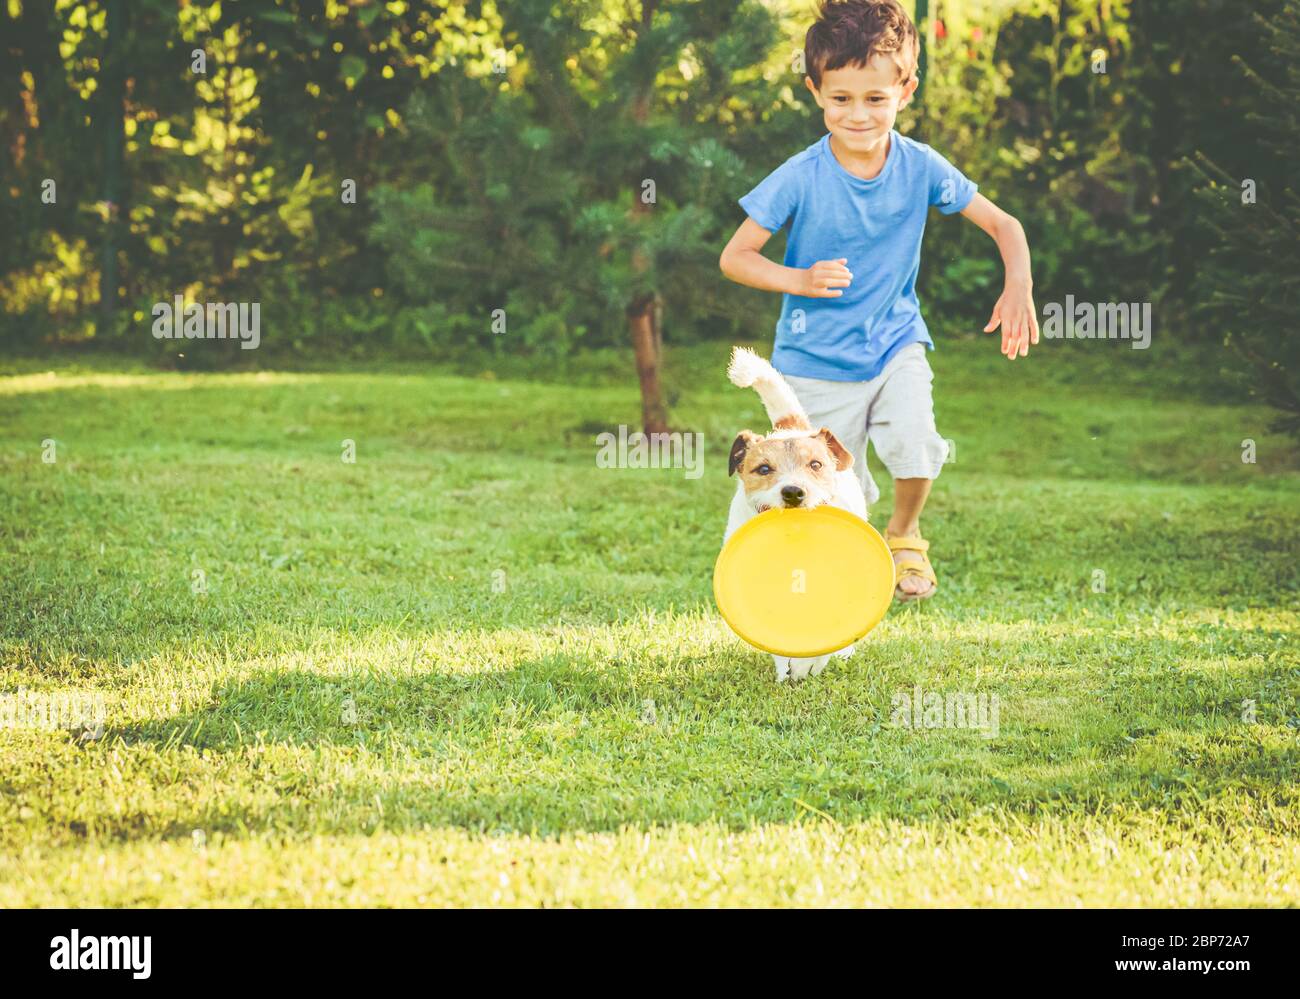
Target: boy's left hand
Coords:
[[1015, 313]]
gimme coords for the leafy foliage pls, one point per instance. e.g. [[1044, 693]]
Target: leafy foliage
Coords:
[[564, 204], [1251, 289], [500, 156]]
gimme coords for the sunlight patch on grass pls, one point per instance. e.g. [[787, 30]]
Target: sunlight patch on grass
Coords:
[[474, 656]]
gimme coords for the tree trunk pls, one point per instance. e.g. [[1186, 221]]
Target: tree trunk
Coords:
[[643, 312], [923, 23], [111, 126], [641, 316]]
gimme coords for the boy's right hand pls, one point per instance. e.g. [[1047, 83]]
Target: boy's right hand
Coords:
[[824, 278]]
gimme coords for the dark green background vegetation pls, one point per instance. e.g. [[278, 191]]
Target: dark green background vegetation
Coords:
[[499, 152]]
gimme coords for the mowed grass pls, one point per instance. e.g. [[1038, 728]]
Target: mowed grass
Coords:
[[422, 678]]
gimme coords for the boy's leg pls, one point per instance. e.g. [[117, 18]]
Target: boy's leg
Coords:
[[901, 427], [840, 407], [909, 500]]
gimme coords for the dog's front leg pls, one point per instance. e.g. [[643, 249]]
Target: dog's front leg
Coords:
[[782, 668], [802, 668]]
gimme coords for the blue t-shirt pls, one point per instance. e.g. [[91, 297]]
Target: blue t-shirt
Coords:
[[877, 224]]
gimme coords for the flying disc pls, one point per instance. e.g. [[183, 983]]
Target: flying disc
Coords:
[[803, 583]]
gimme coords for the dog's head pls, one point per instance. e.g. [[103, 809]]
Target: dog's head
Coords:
[[788, 468]]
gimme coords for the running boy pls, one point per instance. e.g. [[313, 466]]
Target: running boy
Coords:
[[853, 348]]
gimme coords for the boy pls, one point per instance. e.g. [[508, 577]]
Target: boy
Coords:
[[853, 347]]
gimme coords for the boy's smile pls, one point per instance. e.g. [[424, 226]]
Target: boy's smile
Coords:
[[860, 105]]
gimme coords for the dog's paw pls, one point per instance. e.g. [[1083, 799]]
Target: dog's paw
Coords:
[[844, 653], [802, 668], [795, 669]]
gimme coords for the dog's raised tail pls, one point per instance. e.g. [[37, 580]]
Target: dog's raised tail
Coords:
[[748, 370]]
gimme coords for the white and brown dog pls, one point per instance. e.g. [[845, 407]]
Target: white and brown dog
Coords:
[[793, 466]]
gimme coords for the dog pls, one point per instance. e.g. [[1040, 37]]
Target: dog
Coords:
[[793, 466]]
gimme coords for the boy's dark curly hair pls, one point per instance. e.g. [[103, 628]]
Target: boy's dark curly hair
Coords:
[[850, 32]]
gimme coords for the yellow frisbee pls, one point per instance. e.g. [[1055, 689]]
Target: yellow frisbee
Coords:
[[804, 583]]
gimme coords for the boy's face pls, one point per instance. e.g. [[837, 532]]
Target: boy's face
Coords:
[[861, 102]]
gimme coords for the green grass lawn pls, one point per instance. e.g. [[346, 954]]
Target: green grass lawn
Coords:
[[422, 678]]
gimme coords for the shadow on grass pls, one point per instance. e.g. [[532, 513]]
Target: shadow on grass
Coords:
[[578, 569], [557, 745]]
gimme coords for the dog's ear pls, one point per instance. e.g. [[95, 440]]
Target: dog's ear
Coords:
[[744, 440], [842, 457]]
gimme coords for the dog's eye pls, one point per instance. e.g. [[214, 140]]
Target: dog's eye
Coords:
[[815, 465], [764, 469]]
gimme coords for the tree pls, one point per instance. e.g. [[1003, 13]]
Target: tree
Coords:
[[588, 174], [1250, 286], [110, 126], [645, 308]]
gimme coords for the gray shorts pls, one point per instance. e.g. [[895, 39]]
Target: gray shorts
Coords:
[[894, 410]]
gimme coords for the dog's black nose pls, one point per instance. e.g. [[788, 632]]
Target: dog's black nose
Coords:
[[792, 495]]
